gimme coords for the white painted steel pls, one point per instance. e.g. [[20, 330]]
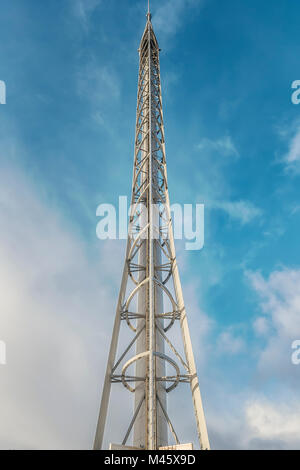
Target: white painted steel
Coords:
[[150, 275]]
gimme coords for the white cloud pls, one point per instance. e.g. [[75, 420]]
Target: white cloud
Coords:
[[230, 343], [280, 305], [249, 419], [201, 324], [258, 419], [83, 9], [292, 157], [261, 326], [295, 209], [243, 211], [167, 18], [56, 318], [272, 421], [280, 298], [217, 194], [98, 83], [224, 145]]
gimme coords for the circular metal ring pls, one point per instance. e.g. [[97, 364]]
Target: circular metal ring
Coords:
[[173, 363], [125, 310], [128, 363], [140, 356], [175, 309]]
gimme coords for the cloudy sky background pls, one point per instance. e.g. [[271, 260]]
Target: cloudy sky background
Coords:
[[66, 145]]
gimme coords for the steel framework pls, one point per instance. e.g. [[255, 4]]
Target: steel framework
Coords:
[[150, 281]]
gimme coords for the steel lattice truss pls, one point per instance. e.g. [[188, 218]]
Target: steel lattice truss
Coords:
[[151, 273]]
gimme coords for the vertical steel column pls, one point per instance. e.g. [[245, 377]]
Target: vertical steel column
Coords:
[[151, 392]]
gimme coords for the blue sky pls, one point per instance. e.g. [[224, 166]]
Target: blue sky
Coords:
[[66, 145]]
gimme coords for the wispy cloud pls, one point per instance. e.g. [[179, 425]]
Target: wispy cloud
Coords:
[[98, 83], [292, 157], [261, 326], [295, 209], [168, 17], [229, 342], [242, 211], [224, 145], [83, 9], [217, 189], [280, 319]]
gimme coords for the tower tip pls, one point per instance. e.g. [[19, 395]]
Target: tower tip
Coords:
[[148, 13]]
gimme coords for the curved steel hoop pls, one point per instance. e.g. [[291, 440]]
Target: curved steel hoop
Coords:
[[164, 357]]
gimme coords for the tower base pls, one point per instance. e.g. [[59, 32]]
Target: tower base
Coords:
[[174, 447]]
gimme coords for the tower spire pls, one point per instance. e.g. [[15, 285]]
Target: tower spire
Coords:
[[150, 300], [149, 14]]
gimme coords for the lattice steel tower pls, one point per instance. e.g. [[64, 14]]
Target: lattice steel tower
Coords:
[[150, 300]]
